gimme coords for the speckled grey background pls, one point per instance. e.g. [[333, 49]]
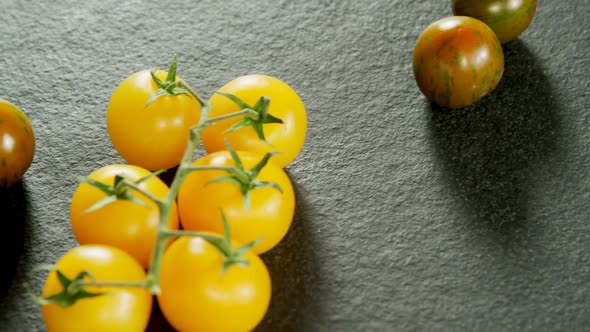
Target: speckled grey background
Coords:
[[408, 217]]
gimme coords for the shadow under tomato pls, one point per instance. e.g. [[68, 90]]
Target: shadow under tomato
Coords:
[[14, 216], [487, 149], [157, 321], [293, 270]]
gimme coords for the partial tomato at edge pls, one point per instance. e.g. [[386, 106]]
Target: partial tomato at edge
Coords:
[[457, 61], [287, 138], [123, 224], [153, 137], [17, 144], [196, 296], [118, 309], [508, 18]]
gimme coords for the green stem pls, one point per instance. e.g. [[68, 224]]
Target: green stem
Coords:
[[182, 83], [245, 111], [184, 168], [136, 284], [205, 236], [144, 192], [209, 168]]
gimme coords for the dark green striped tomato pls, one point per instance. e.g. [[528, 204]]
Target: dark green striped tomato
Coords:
[[457, 61], [17, 144], [508, 18]]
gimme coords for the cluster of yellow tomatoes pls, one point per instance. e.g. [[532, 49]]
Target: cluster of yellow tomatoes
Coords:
[[459, 59], [239, 182]]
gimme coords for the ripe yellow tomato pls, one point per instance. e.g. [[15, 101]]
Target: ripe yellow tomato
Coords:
[[123, 224], [17, 144], [118, 309], [197, 297], [270, 213], [285, 104], [153, 137]]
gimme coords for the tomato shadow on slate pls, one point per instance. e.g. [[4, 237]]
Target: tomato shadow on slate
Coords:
[[14, 215], [293, 272], [487, 150]]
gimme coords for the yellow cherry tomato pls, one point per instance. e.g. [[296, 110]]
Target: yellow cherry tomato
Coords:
[[285, 104], [153, 137], [117, 309], [123, 224], [17, 144], [270, 213], [197, 297]]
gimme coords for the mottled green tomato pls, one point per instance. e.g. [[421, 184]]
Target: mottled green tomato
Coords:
[[457, 61], [17, 144], [508, 18]]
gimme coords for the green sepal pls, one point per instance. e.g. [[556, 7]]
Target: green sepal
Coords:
[[34, 297], [257, 119], [102, 203], [155, 96], [242, 104], [118, 191], [241, 251], [105, 188], [234, 156], [169, 87], [245, 122], [259, 131], [271, 119], [234, 256], [246, 179], [149, 176], [254, 171], [266, 184], [171, 77], [71, 292], [225, 179]]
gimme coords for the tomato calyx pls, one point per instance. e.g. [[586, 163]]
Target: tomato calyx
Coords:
[[255, 119], [72, 288], [231, 256], [168, 87], [245, 179], [121, 190]]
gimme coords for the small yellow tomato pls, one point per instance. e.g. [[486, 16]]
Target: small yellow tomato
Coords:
[[287, 137], [123, 224], [123, 309], [153, 137], [197, 297], [270, 213]]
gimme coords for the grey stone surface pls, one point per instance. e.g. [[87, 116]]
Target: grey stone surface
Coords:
[[409, 217]]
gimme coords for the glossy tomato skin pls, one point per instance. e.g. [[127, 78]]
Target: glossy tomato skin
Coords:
[[152, 137], [118, 309], [17, 144], [122, 224], [197, 297], [285, 104], [269, 216], [508, 18], [457, 61]]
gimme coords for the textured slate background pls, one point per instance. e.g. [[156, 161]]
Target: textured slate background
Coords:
[[408, 217]]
